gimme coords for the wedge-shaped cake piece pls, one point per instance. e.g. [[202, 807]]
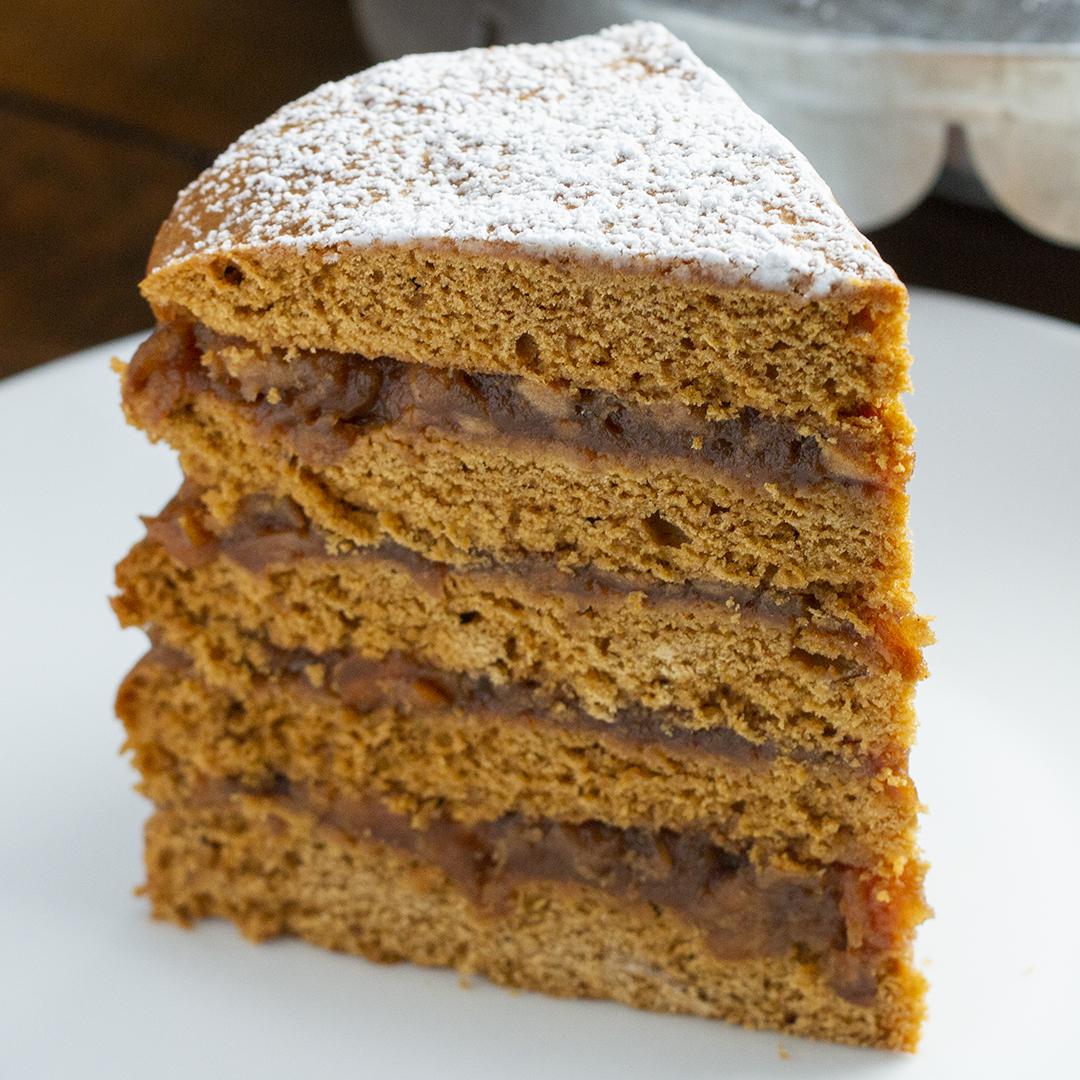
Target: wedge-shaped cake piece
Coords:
[[537, 601]]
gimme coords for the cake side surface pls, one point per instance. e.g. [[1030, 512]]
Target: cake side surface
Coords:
[[536, 602], [478, 763], [770, 672], [273, 869], [835, 361], [382, 449]]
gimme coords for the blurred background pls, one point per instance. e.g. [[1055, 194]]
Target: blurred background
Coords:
[[949, 129]]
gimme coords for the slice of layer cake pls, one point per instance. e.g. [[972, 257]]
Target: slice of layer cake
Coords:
[[536, 603]]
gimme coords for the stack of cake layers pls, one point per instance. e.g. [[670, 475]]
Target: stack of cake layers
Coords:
[[536, 601]]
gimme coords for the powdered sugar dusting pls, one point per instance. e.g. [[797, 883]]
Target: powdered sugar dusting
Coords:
[[621, 146]]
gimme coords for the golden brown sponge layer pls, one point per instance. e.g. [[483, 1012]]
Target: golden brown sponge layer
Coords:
[[259, 530], [273, 868], [323, 400], [644, 337], [451, 494], [424, 751], [773, 673], [846, 920]]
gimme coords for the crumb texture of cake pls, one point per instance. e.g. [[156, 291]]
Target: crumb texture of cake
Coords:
[[439, 479], [273, 870], [536, 602], [418, 746]]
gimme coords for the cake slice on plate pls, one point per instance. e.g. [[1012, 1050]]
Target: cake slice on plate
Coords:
[[536, 602]]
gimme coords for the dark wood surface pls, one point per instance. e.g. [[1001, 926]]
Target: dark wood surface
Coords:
[[107, 109]]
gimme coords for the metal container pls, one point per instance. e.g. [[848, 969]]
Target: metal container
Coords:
[[978, 98]]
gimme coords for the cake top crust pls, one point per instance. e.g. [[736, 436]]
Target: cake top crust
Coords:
[[619, 147]]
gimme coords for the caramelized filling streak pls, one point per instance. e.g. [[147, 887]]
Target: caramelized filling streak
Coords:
[[267, 532], [271, 532], [323, 403], [321, 406], [832, 916], [411, 687]]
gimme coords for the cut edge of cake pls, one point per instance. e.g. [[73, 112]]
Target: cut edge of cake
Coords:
[[588, 244], [613, 186]]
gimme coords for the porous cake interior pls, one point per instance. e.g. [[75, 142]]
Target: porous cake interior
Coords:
[[542, 616]]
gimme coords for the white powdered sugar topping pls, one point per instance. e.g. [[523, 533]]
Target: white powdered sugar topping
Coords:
[[621, 146]]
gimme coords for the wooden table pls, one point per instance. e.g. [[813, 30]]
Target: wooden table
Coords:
[[107, 109]]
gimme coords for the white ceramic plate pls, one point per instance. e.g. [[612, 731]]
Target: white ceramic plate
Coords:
[[90, 987]]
